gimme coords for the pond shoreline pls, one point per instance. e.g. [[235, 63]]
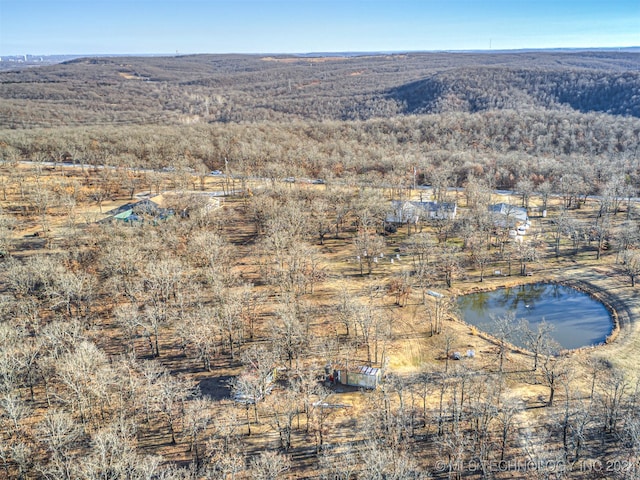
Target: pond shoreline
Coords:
[[604, 298]]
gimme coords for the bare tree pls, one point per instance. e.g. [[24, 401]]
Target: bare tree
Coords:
[[162, 283], [197, 417], [202, 334], [448, 264], [346, 306], [170, 396], [536, 341], [14, 410], [610, 394], [504, 328], [368, 248], [319, 415], [77, 370], [284, 409], [561, 227], [129, 318], [525, 188], [42, 199], [527, 252], [506, 416], [269, 465], [7, 226], [611, 196], [438, 309], [61, 435], [322, 225], [256, 380], [601, 233], [481, 256], [627, 237], [631, 265], [289, 332], [553, 368], [400, 287], [339, 463], [113, 455], [367, 320], [228, 315], [545, 189]]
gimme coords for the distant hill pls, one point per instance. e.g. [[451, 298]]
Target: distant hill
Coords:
[[489, 88], [239, 88]]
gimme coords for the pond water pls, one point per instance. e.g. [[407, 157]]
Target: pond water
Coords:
[[578, 319]]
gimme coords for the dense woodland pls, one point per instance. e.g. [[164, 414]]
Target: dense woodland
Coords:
[[187, 89], [510, 116], [121, 347]]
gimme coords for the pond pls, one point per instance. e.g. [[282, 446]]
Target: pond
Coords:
[[578, 320]]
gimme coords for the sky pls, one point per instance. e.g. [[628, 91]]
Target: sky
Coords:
[[52, 27]]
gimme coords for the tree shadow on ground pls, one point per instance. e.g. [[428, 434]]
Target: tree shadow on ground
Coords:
[[216, 388]]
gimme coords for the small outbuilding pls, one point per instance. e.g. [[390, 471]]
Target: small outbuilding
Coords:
[[362, 376]]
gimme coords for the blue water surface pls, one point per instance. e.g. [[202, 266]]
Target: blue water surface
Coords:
[[578, 319]]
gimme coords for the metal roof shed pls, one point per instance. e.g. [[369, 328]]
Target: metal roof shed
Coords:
[[364, 377]]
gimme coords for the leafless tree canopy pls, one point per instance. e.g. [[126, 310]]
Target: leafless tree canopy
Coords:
[[205, 340]]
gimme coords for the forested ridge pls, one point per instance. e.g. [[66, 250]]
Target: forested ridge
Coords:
[[516, 116], [506, 145], [225, 88], [479, 89]]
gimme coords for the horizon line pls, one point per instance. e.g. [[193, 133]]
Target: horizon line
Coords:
[[329, 52]]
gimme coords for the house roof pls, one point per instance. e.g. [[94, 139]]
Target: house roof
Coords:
[[368, 371], [410, 212], [435, 206], [363, 370], [124, 214], [516, 213], [135, 212], [147, 205]]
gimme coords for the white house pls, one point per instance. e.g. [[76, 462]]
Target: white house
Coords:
[[506, 215], [412, 212]]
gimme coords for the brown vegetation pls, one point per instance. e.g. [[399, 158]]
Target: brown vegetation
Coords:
[[123, 345]]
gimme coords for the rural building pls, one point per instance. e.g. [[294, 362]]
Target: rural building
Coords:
[[363, 377], [412, 212], [506, 215], [138, 212]]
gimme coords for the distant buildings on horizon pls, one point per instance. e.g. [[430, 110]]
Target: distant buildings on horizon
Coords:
[[29, 59]]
